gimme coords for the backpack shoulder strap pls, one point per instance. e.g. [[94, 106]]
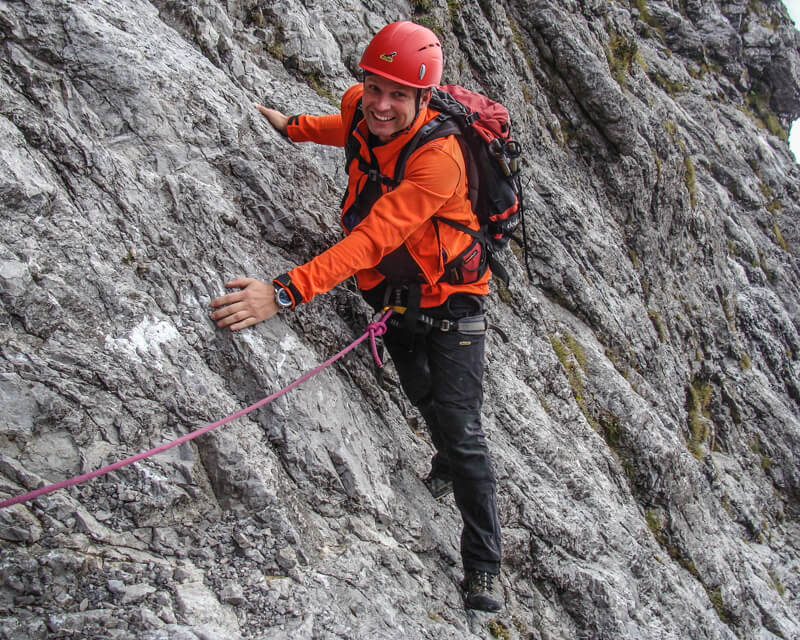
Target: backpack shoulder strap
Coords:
[[453, 118], [439, 127], [351, 145]]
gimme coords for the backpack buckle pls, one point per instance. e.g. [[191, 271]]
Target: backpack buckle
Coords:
[[445, 325], [373, 175]]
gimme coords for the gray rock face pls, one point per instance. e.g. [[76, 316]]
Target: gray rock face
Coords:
[[644, 417]]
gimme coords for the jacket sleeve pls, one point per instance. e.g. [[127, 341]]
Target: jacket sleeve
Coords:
[[320, 129], [329, 129], [432, 175]]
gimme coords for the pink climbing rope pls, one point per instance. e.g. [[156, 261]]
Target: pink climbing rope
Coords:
[[374, 329]]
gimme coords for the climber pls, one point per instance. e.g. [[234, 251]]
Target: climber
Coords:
[[397, 249]]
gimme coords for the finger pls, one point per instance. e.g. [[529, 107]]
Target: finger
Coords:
[[222, 313], [228, 298], [230, 309], [248, 322], [240, 283], [234, 318]]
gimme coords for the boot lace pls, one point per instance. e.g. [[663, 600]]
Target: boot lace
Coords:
[[481, 581]]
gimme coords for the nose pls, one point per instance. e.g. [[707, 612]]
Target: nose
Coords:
[[382, 102]]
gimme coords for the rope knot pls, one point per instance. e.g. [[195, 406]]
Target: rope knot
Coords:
[[377, 328]]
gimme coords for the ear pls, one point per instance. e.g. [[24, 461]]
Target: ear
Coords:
[[425, 97]]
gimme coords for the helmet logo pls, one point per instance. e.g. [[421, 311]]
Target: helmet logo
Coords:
[[421, 71], [388, 57]]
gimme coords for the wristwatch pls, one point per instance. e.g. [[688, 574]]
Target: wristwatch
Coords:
[[282, 298]]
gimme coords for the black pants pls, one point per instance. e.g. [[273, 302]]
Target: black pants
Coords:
[[442, 375]]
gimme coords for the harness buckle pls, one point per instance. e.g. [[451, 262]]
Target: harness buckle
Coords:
[[446, 324], [373, 175]]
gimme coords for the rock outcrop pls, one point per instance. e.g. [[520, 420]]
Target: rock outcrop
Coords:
[[644, 415]]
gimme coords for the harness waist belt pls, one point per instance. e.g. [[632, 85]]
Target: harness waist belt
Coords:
[[471, 325]]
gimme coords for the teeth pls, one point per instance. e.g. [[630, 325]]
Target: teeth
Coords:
[[382, 119]]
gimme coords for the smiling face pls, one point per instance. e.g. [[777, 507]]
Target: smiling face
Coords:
[[389, 107]]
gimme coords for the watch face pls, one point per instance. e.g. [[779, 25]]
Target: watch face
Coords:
[[282, 298]]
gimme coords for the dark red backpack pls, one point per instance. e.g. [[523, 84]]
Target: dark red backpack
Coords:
[[491, 155]]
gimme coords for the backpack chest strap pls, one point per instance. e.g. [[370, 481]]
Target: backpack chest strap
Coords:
[[373, 173]]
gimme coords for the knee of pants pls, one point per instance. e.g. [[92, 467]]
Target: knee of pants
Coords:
[[463, 442], [459, 426]]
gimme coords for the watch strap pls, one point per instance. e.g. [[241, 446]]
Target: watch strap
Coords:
[[285, 282]]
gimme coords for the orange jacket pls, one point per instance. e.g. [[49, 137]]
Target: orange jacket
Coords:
[[434, 183]]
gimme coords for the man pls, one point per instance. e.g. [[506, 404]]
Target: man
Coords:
[[405, 257]]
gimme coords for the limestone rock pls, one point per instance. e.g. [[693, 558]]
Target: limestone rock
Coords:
[[644, 416]]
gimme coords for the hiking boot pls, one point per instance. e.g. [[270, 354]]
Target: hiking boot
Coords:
[[438, 486], [478, 588]]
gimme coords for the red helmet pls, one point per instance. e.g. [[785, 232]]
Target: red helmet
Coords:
[[405, 52]]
